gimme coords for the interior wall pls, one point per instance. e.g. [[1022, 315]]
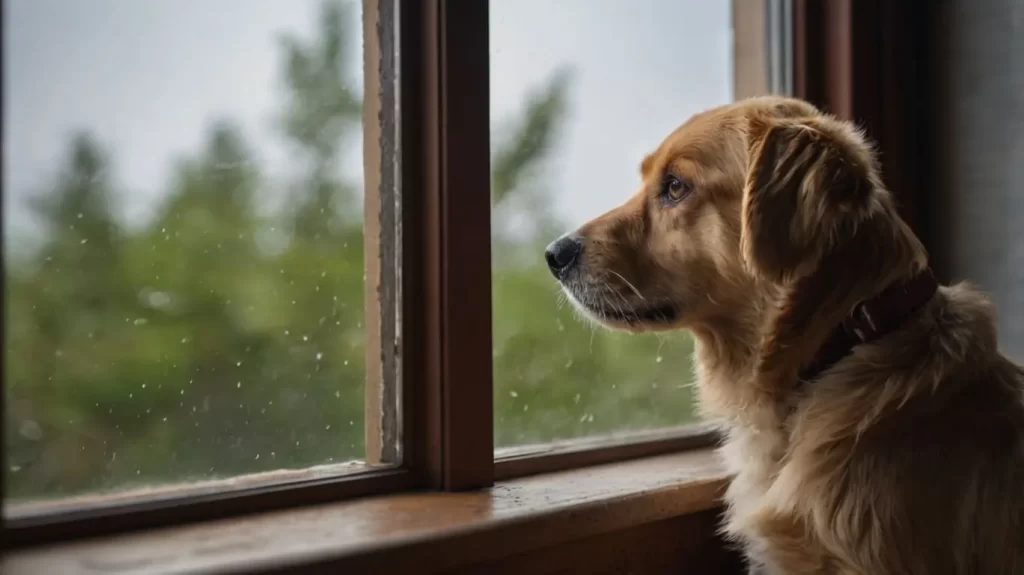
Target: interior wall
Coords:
[[979, 120]]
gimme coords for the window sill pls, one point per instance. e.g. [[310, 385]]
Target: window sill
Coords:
[[410, 532]]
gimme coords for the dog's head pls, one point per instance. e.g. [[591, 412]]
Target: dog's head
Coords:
[[740, 201]]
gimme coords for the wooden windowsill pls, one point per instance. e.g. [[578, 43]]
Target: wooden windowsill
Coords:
[[400, 533]]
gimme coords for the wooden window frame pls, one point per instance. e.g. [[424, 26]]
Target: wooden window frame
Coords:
[[839, 63], [447, 203]]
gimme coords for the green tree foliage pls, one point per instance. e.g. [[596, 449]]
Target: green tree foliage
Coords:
[[224, 338]]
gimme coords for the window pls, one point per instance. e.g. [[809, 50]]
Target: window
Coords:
[[241, 275], [185, 262], [580, 92]]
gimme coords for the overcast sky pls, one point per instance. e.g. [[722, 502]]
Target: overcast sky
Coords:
[[148, 76]]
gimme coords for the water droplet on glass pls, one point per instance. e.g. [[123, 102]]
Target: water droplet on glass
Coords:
[[305, 338], [257, 456], [84, 240], [345, 362], [80, 215], [513, 393], [328, 426], [526, 407], [15, 468], [140, 321], [238, 385], [165, 419], [319, 355], [654, 385], [286, 332], [30, 430], [576, 399], [657, 359], [337, 394]]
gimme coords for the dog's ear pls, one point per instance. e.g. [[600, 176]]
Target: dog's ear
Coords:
[[818, 221], [809, 181]]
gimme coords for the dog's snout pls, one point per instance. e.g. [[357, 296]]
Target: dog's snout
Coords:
[[562, 254]]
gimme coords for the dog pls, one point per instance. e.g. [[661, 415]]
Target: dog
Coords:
[[870, 424]]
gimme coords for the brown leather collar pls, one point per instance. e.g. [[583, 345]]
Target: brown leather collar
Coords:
[[872, 319]]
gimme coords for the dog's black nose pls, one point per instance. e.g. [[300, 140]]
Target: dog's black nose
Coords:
[[562, 254]]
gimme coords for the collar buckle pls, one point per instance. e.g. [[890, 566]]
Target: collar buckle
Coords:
[[860, 325]]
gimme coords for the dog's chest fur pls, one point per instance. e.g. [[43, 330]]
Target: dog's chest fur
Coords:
[[755, 441]]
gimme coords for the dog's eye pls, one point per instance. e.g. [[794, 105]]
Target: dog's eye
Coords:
[[673, 189]]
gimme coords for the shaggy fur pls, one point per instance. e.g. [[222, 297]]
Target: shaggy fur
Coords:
[[758, 226]]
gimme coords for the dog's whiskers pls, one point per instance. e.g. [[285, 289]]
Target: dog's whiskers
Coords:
[[628, 284], [607, 289], [628, 315]]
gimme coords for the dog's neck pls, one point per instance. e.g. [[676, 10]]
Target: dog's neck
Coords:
[[726, 353]]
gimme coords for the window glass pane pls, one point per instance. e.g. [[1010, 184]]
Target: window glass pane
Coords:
[[581, 90], [183, 204]]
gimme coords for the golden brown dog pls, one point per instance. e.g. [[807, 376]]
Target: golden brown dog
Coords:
[[871, 425]]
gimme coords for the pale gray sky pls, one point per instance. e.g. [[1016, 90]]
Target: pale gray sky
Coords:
[[148, 76]]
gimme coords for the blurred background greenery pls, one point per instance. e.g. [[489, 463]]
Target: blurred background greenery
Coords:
[[222, 338]]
